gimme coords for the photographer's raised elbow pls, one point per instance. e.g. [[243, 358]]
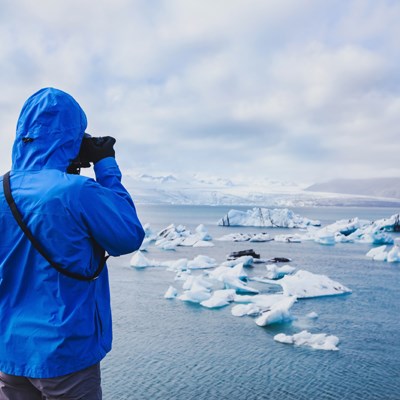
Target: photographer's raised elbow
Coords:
[[129, 243]]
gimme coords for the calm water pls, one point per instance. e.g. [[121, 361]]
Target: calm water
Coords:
[[169, 349]]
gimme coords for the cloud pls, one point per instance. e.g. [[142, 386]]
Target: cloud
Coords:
[[301, 90]]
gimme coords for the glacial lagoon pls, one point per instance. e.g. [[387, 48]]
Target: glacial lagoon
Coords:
[[172, 349]]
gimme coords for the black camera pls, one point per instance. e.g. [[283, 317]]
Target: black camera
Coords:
[[83, 160]]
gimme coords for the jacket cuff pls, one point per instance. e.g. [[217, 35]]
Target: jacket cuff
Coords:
[[106, 167]]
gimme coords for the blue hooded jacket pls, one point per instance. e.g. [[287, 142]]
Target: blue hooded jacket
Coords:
[[50, 324]]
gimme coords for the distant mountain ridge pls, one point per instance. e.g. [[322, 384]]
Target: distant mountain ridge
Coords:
[[196, 190], [376, 187]]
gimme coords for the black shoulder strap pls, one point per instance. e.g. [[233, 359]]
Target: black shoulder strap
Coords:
[[37, 245]]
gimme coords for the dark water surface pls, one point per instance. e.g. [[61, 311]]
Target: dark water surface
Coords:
[[169, 349]]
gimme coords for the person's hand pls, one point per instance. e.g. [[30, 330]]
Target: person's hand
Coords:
[[94, 149]]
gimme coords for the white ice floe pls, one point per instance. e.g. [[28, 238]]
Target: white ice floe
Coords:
[[182, 275], [202, 262], [145, 244], [312, 315], [240, 310], [246, 261], [138, 260], [222, 271], [305, 284], [347, 226], [261, 237], [232, 282], [219, 298], [202, 233], [195, 296], [197, 281], [176, 265], [319, 341], [173, 236], [246, 237], [388, 224], [203, 243], [289, 238], [254, 305], [394, 254], [149, 237], [171, 293], [232, 278], [276, 272], [264, 217], [378, 253], [371, 234], [196, 289], [381, 254], [344, 231], [279, 312]]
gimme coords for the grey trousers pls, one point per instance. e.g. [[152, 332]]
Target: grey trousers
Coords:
[[81, 385]]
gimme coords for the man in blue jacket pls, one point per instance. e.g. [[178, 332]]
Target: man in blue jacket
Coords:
[[54, 328]]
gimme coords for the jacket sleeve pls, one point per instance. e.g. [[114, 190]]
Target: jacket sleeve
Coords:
[[109, 212]]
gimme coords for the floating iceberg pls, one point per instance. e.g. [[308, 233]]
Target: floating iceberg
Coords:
[[176, 265], [219, 298], [254, 305], [203, 243], [196, 289], [197, 281], [246, 237], [319, 341], [173, 236], [394, 254], [391, 224], [264, 217], [201, 262], [305, 284], [371, 234], [138, 260], [246, 261], [343, 231], [171, 293], [275, 272], [232, 278], [279, 312], [149, 237], [232, 282], [296, 238], [380, 253], [222, 271], [240, 310]]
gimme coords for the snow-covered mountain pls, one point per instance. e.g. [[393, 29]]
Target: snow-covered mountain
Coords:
[[378, 187], [200, 190]]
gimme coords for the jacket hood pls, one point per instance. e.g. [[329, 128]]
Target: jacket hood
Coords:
[[50, 130]]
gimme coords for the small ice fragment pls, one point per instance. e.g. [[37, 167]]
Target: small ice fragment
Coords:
[[171, 293], [312, 315], [318, 341]]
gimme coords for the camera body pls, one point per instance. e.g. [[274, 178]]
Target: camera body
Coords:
[[83, 159]]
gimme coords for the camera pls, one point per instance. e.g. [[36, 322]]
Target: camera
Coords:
[[83, 160]]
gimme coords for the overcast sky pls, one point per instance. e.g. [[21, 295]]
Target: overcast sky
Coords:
[[299, 90]]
